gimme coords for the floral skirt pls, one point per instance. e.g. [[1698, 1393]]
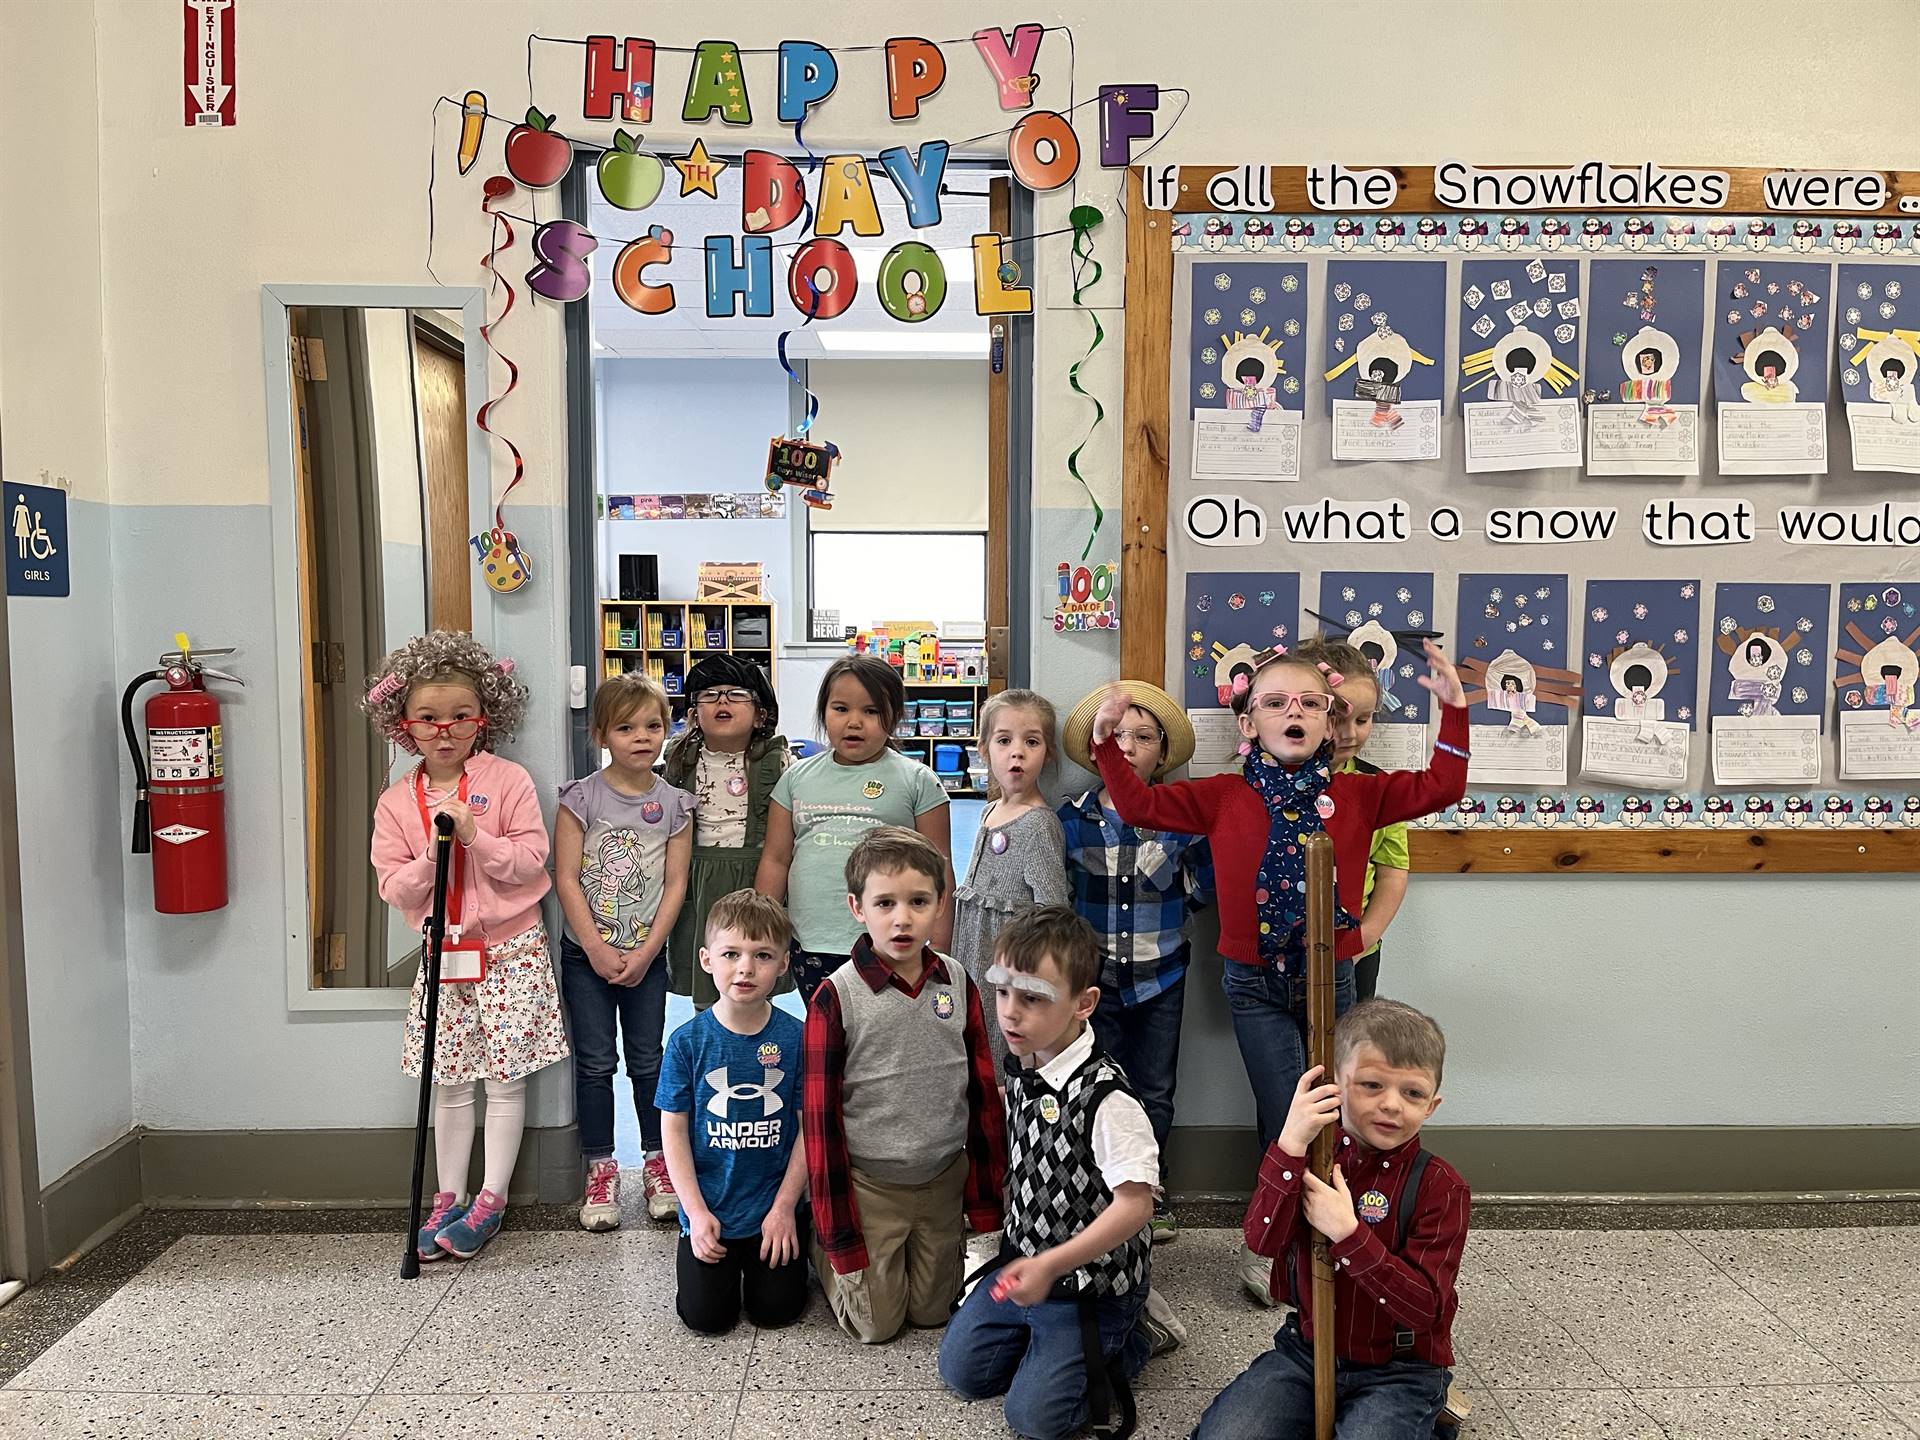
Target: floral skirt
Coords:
[[506, 1026]]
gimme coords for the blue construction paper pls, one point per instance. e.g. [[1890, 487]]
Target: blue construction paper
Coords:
[[1872, 613], [1559, 332], [1408, 295], [1619, 309], [1872, 298], [1750, 295], [1526, 614], [1395, 600], [1265, 300], [1230, 616], [1794, 618], [1664, 614]]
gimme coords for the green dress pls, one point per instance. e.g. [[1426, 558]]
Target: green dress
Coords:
[[718, 870]]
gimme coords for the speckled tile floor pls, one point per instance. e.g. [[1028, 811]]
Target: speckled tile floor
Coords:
[[1651, 1323]]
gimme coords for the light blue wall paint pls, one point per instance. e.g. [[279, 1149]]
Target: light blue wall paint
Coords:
[[75, 807], [1593, 1000]]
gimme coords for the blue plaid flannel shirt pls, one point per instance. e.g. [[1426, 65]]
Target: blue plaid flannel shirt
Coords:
[[1136, 888]]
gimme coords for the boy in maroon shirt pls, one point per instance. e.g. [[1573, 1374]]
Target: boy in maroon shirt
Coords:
[[1397, 1217]]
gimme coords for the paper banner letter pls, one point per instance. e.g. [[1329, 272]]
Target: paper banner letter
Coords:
[[629, 178], [619, 80], [1043, 127], [717, 83], [846, 198], [993, 295], [562, 248], [808, 73], [1011, 62], [918, 179], [629, 282], [1126, 115], [771, 193], [536, 156], [915, 70], [826, 266], [913, 282], [729, 278]]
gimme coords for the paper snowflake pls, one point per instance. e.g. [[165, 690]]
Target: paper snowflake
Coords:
[[1416, 617], [1733, 318], [1759, 308], [1803, 625], [1680, 637], [1893, 290], [1728, 625], [1247, 317], [1195, 653], [1863, 290], [1888, 625], [1873, 602], [1265, 597], [1406, 672], [1686, 592], [1639, 612], [1620, 637], [1685, 712], [1222, 280], [1210, 315], [1207, 390], [1340, 347], [1258, 294], [1375, 608], [1494, 597], [1345, 323], [1403, 595], [1846, 340], [1291, 384], [1887, 310], [1236, 601], [1753, 276], [1512, 627], [1799, 695], [1850, 375], [1348, 594], [1600, 701], [1343, 292], [1545, 592], [1746, 710], [1195, 635], [1209, 356], [1599, 614], [1546, 645], [1853, 314], [1203, 604], [1805, 655], [1764, 604], [1363, 301], [1290, 327], [1787, 317], [1853, 604], [1521, 601], [1739, 293], [1594, 661], [1279, 632], [1352, 617], [1483, 327], [1773, 287], [1289, 283]]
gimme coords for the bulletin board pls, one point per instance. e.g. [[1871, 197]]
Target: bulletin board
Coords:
[[1649, 471]]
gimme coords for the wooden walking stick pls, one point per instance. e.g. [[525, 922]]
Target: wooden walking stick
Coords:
[[1320, 1052]]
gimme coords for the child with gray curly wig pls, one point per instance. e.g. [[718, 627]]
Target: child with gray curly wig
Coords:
[[442, 697]]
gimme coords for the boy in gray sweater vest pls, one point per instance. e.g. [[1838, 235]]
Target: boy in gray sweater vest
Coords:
[[900, 1107]]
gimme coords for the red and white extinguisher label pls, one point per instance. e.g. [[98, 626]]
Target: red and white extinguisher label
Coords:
[[178, 834], [184, 754]]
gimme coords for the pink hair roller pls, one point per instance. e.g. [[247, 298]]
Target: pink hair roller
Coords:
[[385, 689]]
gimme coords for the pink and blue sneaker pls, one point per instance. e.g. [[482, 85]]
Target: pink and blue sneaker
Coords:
[[444, 1213], [465, 1237]]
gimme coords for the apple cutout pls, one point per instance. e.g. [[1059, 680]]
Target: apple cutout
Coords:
[[629, 178], [536, 156]]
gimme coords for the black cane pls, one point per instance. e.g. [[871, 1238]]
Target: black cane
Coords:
[[436, 936]]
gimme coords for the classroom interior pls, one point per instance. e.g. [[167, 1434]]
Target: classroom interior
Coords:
[[1688, 1106]]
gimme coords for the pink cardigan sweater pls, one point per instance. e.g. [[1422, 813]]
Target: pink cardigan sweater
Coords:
[[506, 873]]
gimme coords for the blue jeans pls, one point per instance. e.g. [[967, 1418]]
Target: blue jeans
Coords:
[[594, 1009], [1145, 1039], [1269, 1013], [1034, 1356], [1272, 1399]]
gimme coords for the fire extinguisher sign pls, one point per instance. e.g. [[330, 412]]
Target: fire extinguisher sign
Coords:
[[208, 27], [184, 755]]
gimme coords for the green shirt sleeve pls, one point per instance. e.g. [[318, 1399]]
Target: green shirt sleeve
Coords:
[[1389, 849]]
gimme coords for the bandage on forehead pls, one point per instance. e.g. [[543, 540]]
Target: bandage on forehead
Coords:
[[1002, 978]]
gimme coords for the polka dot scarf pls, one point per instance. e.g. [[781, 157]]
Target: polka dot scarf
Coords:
[[1297, 805]]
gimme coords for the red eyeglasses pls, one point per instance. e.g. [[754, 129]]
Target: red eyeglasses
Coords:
[[463, 729]]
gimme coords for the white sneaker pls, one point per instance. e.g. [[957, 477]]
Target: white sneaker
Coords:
[[1256, 1274], [601, 1208], [1162, 1327]]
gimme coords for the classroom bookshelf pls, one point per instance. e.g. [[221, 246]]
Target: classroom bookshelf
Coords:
[[666, 638], [957, 724]]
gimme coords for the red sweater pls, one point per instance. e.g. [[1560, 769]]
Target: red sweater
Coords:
[[1228, 811]]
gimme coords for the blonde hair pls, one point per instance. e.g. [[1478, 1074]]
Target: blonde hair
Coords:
[[1033, 700], [752, 915], [619, 696], [1407, 1039], [445, 657]]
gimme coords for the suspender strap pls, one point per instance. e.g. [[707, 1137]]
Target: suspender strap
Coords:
[[1110, 1408], [1403, 1348]]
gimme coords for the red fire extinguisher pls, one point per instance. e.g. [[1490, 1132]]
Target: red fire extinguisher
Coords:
[[181, 780]]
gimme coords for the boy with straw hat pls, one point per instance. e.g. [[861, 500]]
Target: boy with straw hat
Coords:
[[1137, 888]]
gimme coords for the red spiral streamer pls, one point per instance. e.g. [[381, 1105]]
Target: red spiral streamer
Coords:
[[496, 191]]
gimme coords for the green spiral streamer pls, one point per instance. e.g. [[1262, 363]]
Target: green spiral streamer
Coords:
[[1083, 219]]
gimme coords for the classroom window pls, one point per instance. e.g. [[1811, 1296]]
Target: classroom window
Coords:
[[896, 575]]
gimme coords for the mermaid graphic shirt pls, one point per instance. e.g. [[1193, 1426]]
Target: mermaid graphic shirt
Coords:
[[623, 857]]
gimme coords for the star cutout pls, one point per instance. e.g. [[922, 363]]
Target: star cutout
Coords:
[[698, 171]]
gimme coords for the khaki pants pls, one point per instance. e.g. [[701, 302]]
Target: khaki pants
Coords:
[[916, 1239]]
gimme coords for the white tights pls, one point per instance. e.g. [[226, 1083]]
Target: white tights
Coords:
[[453, 1126]]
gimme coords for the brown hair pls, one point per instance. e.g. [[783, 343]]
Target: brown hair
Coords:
[[1339, 656], [1051, 930], [879, 679], [891, 849], [750, 914], [1286, 657], [620, 696], [1408, 1039]]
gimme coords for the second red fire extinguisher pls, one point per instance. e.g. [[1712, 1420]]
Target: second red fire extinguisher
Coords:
[[180, 776]]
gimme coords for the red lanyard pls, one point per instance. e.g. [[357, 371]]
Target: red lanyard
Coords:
[[456, 887]]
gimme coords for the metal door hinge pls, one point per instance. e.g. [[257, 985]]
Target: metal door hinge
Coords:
[[330, 662]]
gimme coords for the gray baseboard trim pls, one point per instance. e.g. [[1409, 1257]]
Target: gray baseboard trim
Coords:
[[1557, 1163], [196, 1168], [93, 1199]]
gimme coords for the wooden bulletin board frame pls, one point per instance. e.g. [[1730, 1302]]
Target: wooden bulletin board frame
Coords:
[[1143, 570]]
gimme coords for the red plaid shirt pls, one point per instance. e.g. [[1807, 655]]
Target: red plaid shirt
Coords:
[[836, 1218], [1376, 1291]]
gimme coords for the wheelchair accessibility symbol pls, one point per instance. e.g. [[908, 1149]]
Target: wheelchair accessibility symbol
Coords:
[[37, 554], [30, 537]]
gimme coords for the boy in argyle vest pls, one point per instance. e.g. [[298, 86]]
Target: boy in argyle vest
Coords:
[[1063, 1319]]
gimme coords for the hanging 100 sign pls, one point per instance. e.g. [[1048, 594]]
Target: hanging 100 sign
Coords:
[[800, 463], [1088, 598]]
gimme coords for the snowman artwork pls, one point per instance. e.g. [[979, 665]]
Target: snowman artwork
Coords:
[[1759, 234], [1886, 235], [1256, 232], [1346, 234], [1770, 360], [1553, 233], [1588, 812], [1759, 808], [1638, 674], [1513, 233], [1595, 232], [1511, 680], [1846, 234], [1469, 232], [1634, 812], [1428, 232], [1890, 364], [1806, 235], [1798, 809], [1676, 811], [1910, 812], [1546, 812], [1297, 233], [1879, 810], [1719, 812], [1248, 367], [1720, 235], [1650, 357], [1679, 234], [1837, 812], [1468, 812], [1637, 233], [1913, 236], [1508, 812], [1215, 233]]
